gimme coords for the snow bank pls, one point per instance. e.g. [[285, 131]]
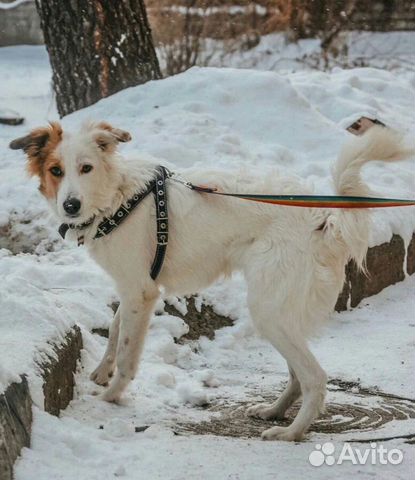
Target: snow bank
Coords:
[[41, 298]]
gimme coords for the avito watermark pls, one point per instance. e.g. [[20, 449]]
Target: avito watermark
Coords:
[[327, 453]]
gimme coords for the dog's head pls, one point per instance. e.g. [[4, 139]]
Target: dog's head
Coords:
[[77, 172]]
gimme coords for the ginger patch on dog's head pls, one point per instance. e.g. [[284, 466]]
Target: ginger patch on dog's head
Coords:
[[40, 146]]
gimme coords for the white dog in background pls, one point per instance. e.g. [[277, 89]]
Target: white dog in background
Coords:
[[293, 259]]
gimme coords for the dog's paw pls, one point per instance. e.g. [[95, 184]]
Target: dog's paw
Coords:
[[286, 434], [111, 397], [101, 376], [264, 411]]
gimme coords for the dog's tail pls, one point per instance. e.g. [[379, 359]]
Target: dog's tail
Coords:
[[351, 226]]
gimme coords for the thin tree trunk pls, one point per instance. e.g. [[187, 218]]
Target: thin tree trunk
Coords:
[[96, 48]]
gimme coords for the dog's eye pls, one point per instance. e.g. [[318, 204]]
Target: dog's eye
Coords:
[[86, 168], [56, 171]]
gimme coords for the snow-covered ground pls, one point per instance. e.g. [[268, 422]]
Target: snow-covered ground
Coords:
[[239, 119], [94, 440]]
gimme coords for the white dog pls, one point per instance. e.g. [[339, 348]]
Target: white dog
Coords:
[[293, 259]]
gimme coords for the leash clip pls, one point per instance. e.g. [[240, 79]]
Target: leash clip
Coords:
[[203, 189], [174, 176], [196, 188]]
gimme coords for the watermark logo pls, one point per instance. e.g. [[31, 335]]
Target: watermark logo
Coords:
[[322, 454], [376, 454]]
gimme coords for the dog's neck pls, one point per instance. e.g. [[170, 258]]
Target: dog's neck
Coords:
[[132, 177]]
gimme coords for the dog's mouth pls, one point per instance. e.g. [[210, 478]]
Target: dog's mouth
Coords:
[[82, 224], [88, 221], [80, 220], [64, 227]]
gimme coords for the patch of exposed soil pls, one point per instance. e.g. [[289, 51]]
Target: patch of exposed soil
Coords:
[[59, 370], [203, 323], [355, 412], [385, 266], [21, 237]]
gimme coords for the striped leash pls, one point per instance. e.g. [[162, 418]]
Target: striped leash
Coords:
[[308, 201]]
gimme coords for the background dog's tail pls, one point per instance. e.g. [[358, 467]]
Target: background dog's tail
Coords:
[[352, 225]]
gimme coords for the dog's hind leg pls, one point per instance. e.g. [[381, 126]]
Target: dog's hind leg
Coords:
[[312, 380], [286, 337], [277, 409], [102, 374], [135, 316]]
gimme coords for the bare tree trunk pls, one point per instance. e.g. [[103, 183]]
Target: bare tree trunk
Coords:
[[308, 17], [96, 48]]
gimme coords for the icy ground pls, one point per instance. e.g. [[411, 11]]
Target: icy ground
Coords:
[[237, 119]]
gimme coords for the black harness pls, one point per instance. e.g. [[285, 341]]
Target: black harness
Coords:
[[158, 187]]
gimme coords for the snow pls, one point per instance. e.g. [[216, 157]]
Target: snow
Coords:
[[205, 12], [236, 119], [97, 440], [16, 3], [41, 298], [82, 451]]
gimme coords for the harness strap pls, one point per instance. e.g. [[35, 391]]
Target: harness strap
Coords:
[[110, 224], [158, 187], [160, 197]]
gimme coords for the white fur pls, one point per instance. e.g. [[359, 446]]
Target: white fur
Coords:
[[294, 270]]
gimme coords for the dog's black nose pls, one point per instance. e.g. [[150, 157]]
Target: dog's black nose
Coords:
[[71, 206]]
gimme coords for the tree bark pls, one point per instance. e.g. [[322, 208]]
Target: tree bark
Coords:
[[96, 48]]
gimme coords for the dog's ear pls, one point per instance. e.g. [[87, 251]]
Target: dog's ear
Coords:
[[38, 145], [120, 135], [108, 137]]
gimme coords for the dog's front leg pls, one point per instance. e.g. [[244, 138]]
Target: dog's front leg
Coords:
[[135, 315], [102, 374]]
